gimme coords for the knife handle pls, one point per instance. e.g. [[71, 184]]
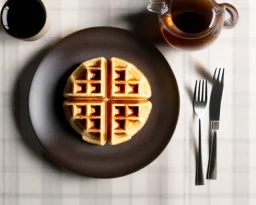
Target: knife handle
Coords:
[[212, 164], [199, 165]]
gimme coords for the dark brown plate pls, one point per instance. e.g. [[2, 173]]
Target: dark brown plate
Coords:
[[55, 134]]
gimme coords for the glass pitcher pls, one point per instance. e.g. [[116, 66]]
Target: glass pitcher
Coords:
[[192, 24]]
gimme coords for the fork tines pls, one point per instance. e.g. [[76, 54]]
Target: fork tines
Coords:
[[220, 77], [200, 93]]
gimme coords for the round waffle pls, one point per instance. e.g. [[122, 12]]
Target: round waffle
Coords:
[[107, 100]]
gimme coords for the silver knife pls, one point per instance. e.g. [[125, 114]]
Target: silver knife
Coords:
[[215, 105]]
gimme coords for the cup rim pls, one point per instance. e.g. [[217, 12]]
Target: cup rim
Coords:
[[29, 37]]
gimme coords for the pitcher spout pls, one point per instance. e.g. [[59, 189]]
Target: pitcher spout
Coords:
[[158, 6]]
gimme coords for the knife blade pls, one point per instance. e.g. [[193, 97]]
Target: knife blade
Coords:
[[215, 105], [215, 102]]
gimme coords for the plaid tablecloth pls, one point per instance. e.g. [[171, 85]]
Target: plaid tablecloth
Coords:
[[28, 176]]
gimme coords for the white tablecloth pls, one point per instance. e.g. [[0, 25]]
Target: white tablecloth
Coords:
[[28, 176]]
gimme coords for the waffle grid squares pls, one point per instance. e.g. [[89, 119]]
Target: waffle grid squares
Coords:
[[88, 80], [124, 116], [124, 82], [88, 116], [120, 108]]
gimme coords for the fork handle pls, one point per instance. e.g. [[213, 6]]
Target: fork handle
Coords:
[[199, 165], [212, 164]]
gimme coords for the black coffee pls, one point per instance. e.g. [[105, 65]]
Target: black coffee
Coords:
[[192, 21], [23, 18]]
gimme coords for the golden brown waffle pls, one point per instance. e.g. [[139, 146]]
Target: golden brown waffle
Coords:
[[103, 107], [127, 81], [88, 80], [88, 119], [127, 118]]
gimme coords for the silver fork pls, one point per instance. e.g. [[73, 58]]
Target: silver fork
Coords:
[[200, 102]]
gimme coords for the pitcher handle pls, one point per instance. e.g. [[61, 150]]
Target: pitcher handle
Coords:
[[232, 21]]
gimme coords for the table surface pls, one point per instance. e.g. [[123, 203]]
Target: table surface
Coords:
[[28, 176]]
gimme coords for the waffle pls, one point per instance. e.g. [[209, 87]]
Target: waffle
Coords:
[[127, 118], [107, 101], [88, 80], [88, 119], [127, 81]]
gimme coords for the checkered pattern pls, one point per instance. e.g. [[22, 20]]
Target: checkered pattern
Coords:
[[28, 176]]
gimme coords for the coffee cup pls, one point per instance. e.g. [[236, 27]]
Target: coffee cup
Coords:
[[24, 19]]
